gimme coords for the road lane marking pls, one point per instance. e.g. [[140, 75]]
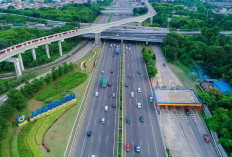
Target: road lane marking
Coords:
[[99, 139], [107, 139]]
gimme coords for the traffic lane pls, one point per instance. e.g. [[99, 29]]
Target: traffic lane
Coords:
[[209, 148], [149, 112], [132, 132], [96, 101]]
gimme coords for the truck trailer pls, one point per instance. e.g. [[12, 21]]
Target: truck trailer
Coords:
[[104, 82]]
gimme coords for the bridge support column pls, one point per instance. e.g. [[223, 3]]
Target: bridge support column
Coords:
[[33, 54], [151, 19], [60, 48], [182, 108], [97, 39], [47, 50], [140, 24], [190, 108], [21, 62], [16, 65], [147, 41]]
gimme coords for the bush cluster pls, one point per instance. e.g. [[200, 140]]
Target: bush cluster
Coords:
[[149, 59]]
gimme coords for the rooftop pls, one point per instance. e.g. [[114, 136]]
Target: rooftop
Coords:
[[223, 86]]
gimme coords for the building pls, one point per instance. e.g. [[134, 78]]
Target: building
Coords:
[[223, 86]]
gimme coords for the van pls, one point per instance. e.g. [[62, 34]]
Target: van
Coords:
[[151, 99], [113, 96], [106, 108], [139, 90], [103, 121], [132, 94]]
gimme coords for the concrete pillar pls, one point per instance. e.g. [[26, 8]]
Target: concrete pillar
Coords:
[[151, 19], [33, 54], [47, 50], [147, 41], [60, 48], [97, 39], [16, 65], [21, 62], [140, 24]]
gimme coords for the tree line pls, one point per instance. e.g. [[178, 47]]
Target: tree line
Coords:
[[17, 98]]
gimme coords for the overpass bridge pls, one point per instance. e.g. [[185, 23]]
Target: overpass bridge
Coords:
[[8, 53]]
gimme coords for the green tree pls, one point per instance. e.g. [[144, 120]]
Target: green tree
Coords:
[[16, 99]]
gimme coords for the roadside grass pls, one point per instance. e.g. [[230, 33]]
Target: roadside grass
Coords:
[[97, 19], [110, 18], [148, 47], [30, 139], [90, 63], [14, 143], [58, 135]]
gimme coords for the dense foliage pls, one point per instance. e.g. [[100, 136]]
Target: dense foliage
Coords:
[[189, 15], [149, 59], [209, 50], [139, 11], [70, 13]]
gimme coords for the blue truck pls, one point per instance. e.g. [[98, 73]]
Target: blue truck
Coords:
[[117, 51]]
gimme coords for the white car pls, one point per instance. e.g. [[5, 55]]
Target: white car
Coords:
[[139, 105], [139, 90], [103, 120], [132, 94], [117, 35], [106, 108], [96, 94]]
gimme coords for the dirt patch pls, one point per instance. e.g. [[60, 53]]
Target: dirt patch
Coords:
[[34, 104]]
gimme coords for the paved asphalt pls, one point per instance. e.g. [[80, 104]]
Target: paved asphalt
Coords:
[[146, 134], [183, 134], [103, 141]]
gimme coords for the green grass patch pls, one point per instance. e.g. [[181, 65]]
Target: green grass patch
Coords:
[[120, 123], [23, 148], [110, 18], [48, 122], [66, 83], [30, 139], [119, 150], [14, 143]]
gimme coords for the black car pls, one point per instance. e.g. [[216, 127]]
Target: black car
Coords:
[[187, 112], [88, 133], [113, 105], [164, 64], [138, 72], [128, 120], [111, 71], [110, 84], [126, 84], [141, 119]]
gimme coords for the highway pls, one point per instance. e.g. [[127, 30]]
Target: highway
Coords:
[[147, 134], [103, 141], [183, 134]]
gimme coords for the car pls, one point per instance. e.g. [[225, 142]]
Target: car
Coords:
[[88, 133], [151, 99], [138, 148], [113, 105], [96, 94], [187, 112], [130, 76], [93, 156], [113, 96], [138, 72], [132, 94], [141, 118], [127, 147], [128, 120], [110, 84], [164, 64], [126, 84], [103, 120], [139, 90], [106, 108], [102, 71], [206, 138], [117, 35], [111, 71], [139, 105], [129, 49]]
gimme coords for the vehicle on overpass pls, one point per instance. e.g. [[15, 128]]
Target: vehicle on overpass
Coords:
[[104, 82]]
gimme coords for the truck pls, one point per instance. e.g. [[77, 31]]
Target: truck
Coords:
[[104, 82], [117, 51]]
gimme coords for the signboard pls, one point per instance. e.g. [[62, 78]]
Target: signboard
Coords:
[[48, 109]]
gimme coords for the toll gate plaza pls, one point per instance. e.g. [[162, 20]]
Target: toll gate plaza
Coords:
[[186, 98]]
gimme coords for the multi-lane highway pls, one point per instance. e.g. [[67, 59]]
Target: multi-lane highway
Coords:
[[103, 141], [183, 134], [148, 133]]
